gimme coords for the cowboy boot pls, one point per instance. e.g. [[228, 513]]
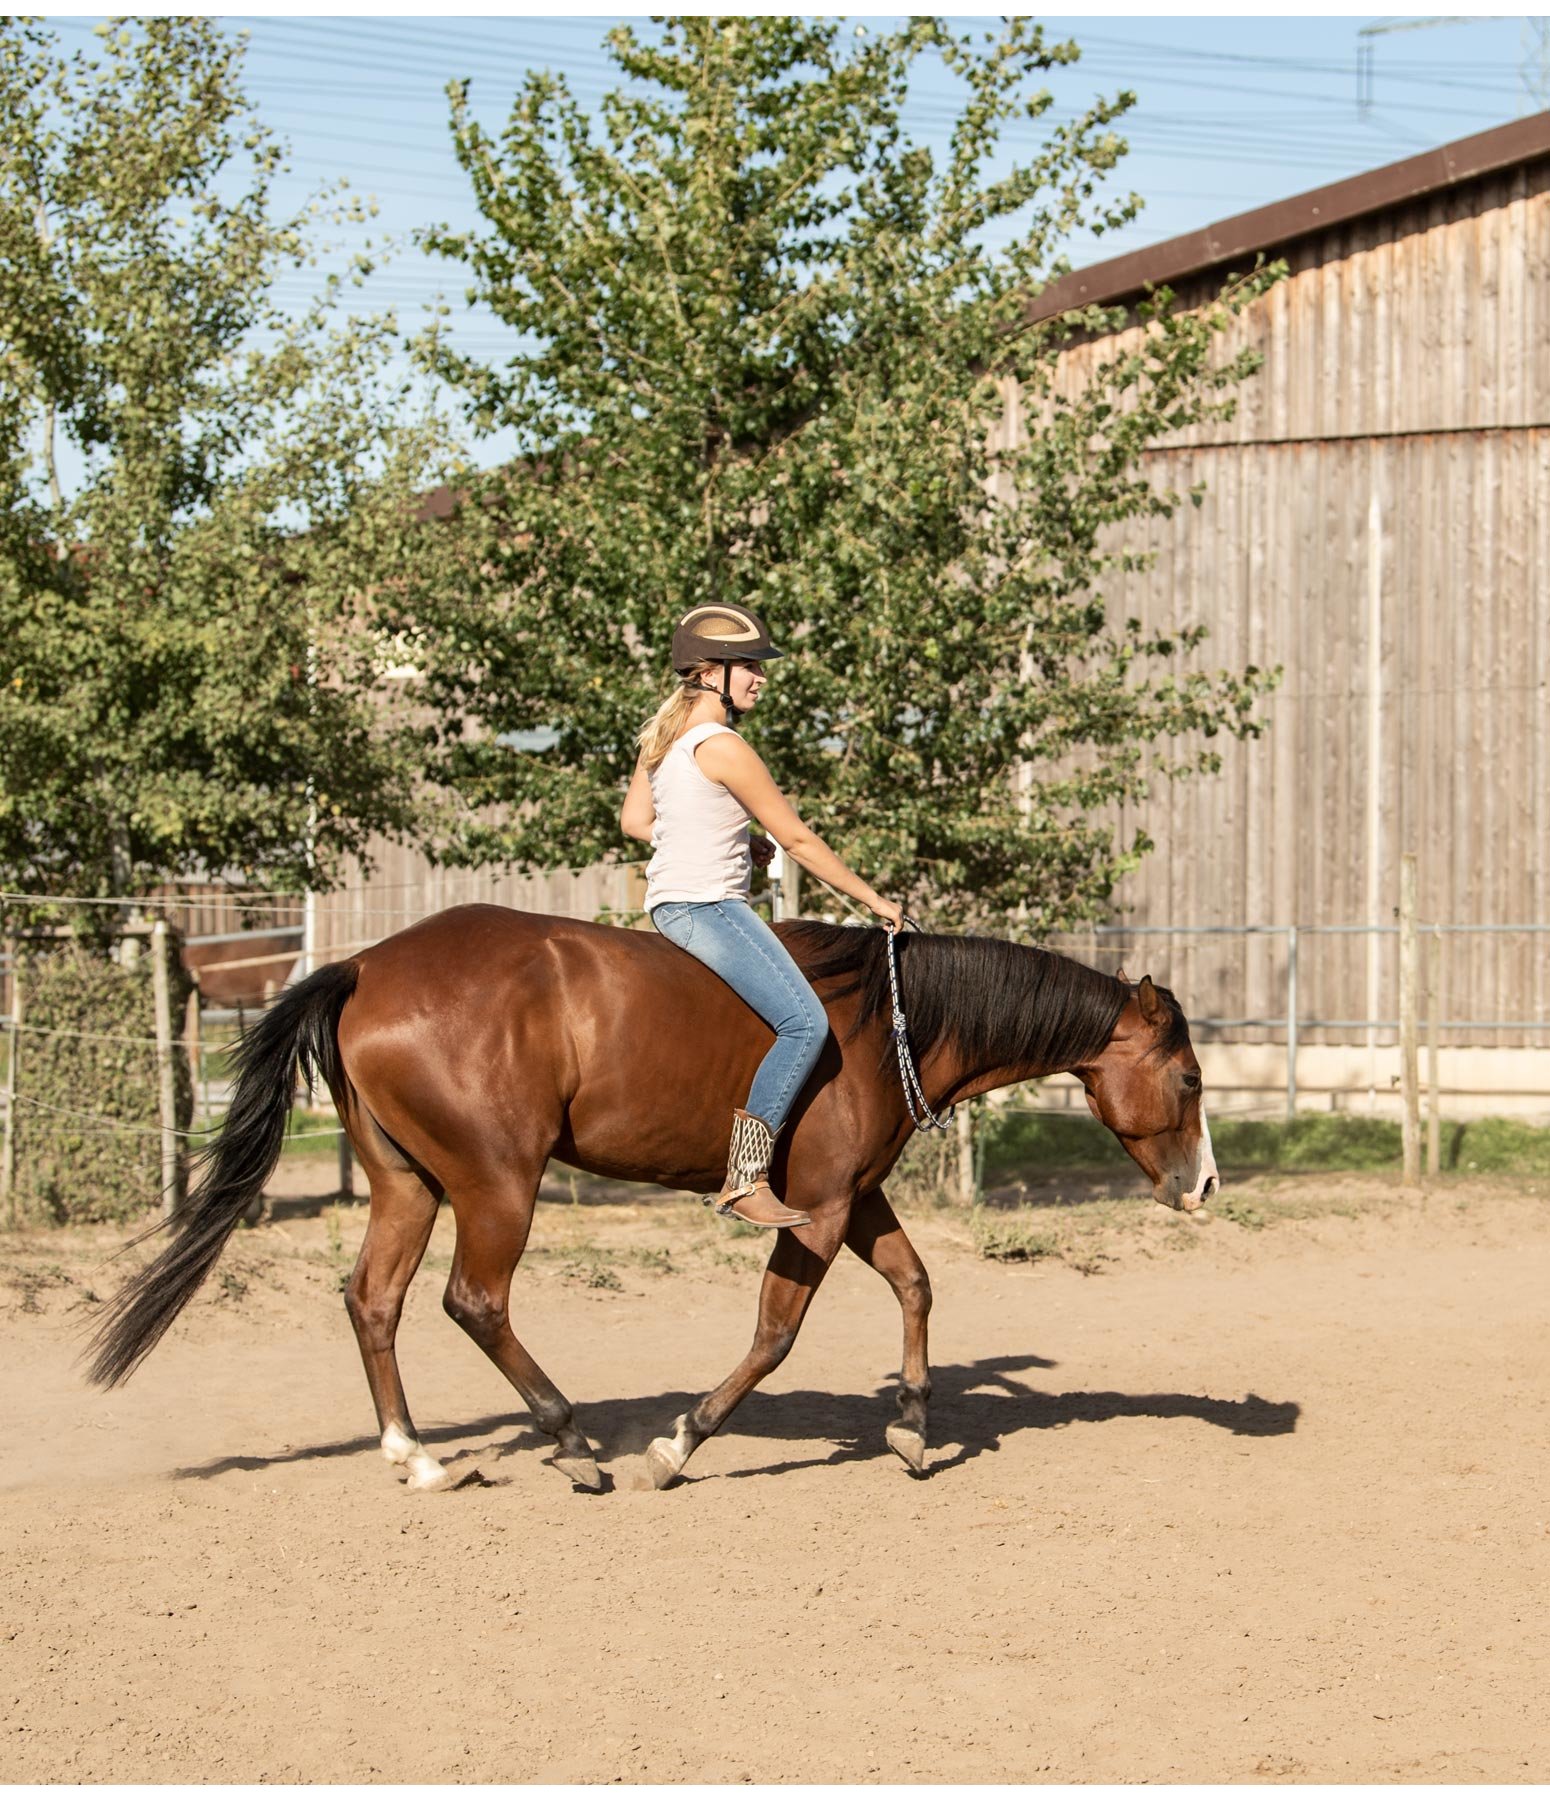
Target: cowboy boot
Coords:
[[746, 1193]]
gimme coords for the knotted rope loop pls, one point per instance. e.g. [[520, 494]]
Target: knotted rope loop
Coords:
[[914, 1095]]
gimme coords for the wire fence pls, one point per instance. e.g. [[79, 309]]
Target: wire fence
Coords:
[[1165, 946]]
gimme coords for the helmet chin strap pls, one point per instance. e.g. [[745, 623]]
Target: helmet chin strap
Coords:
[[724, 693]]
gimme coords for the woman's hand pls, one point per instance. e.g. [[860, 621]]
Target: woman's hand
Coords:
[[762, 850], [890, 912]]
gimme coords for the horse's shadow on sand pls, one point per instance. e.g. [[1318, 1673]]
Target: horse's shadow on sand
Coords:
[[974, 1407]]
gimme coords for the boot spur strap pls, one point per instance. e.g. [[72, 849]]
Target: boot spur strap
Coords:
[[724, 1203], [786, 1215]]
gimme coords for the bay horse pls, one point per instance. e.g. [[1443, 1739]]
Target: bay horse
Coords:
[[466, 1051]]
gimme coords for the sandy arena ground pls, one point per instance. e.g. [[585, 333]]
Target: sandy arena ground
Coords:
[[1249, 1505]]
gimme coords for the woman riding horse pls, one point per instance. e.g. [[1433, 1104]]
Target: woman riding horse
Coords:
[[466, 1052], [696, 786]]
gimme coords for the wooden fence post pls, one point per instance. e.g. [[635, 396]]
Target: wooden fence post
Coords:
[[13, 1054], [161, 995], [1409, 1050], [191, 1040], [346, 1166], [1434, 986], [967, 1194], [1291, 1023]]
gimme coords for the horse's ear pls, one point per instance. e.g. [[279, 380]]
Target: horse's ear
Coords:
[[1120, 975], [1152, 1008]]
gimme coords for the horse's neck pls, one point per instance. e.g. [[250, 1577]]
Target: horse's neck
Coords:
[[960, 1077], [947, 1072]]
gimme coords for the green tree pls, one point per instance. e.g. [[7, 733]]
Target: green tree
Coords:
[[759, 338], [202, 497]]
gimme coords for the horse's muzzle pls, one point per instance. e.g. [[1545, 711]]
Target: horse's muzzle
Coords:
[[1182, 1199]]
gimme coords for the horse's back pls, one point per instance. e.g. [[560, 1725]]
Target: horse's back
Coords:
[[473, 977], [473, 941]]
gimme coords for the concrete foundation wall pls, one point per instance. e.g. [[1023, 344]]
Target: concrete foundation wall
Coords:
[[1248, 1081]]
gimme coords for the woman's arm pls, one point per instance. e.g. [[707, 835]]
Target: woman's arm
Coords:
[[638, 815], [741, 771]]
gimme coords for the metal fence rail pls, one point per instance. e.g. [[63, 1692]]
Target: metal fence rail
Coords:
[[1291, 1020]]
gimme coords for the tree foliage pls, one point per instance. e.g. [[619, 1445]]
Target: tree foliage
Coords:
[[758, 339], [88, 1086], [200, 493]]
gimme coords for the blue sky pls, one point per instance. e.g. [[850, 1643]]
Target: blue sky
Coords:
[[1233, 112]]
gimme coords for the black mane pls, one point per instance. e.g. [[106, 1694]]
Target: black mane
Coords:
[[997, 1001]]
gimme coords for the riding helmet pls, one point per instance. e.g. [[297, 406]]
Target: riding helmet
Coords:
[[721, 633]]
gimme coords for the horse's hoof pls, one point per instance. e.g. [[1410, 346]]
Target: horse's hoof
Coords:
[[663, 1462], [582, 1470], [909, 1444], [432, 1479]]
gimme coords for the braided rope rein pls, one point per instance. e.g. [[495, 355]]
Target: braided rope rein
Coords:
[[914, 1095]]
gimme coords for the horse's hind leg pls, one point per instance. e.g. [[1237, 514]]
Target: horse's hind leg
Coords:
[[492, 1230], [798, 1263], [403, 1211], [877, 1237]]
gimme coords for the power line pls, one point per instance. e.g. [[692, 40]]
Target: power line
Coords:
[[1097, 48], [1239, 58], [1162, 131], [1534, 69], [1194, 136]]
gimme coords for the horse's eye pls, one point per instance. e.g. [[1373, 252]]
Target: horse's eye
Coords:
[[1192, 1079]]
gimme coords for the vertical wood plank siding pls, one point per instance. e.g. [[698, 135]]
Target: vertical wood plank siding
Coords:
[[1407, 356], [404, 886]]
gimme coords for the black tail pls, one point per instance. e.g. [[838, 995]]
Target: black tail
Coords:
[[299, 1028]]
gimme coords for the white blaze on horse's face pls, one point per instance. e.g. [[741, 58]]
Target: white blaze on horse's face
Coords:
[[1205, 1180], [1181, 1162]]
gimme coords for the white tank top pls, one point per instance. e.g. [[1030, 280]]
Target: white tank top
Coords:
[[700, 840]]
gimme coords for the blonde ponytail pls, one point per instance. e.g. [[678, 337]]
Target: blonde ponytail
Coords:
[[657, 736]]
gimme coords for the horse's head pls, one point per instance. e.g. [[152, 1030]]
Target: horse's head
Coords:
[[1145, 1086]]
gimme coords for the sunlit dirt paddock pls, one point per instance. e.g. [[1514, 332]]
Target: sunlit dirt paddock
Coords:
[[1238, 1505]]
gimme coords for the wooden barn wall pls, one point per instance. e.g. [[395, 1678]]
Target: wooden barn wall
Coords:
[[404, 886], [1407, 358], [1433, 316], [1407, 369]]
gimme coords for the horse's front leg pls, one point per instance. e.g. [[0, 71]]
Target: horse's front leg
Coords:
[[877, 1237], [798, 1262]]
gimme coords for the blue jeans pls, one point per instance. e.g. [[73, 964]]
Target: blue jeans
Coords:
[[729, 937]]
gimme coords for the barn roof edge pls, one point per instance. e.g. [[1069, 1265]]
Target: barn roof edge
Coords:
[[1272, 227]]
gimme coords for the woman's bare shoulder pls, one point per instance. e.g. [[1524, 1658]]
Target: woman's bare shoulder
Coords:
[[726, 750]]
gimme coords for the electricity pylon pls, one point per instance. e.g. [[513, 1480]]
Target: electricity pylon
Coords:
[[1533, 65]]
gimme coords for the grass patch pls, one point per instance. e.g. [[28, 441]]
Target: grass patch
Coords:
[[1021, 1143], [230, 1285], [36, 1279], [302, 1119], [587, 1263], [1082, 1234], [1497, 1147], [591, 1271], [1240, 1212], [1016, 1142], [1012, 1236], [1313, 1141]]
